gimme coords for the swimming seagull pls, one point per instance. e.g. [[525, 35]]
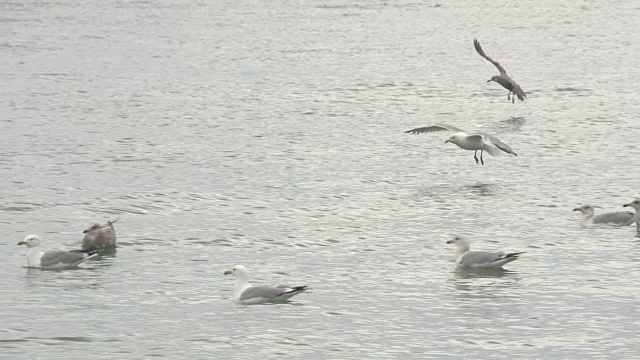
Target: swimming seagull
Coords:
[[479, 141], [589, 216], [53, 259], [245, 293], [636, 205], [99, 236], [480, 259], [502, 79]]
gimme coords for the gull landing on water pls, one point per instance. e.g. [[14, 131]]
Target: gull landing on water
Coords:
[[502, 79], [479, 141], [245, 293], [480, 259]]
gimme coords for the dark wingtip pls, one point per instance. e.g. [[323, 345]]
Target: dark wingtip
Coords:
[[92, 251]]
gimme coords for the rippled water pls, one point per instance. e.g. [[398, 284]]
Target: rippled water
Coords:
[[270, 134]]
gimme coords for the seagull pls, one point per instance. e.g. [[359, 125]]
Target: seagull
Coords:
[[589, 216], [99, 236], [478, 141], [245, 293], [502, 79], [53, 259], [636, 205], [480, 259]]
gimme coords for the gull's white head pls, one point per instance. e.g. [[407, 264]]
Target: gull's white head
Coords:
[[463, 244], [30, 241], [634, 204], [238, 271], [586, 209], [455, 138]]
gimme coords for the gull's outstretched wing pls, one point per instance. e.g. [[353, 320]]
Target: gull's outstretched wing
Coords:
[[476, 44], [499, 144], [434, 128]]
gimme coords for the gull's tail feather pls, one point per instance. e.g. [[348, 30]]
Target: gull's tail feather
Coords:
[[89, 252], [494, 151], [519, 92]]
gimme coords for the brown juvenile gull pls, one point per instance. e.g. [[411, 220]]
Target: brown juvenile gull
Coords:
[[480, 259], [478, 141], [623, 218], [99, 236], [636, 205], [245, 293], [53, 259], [502, 79]]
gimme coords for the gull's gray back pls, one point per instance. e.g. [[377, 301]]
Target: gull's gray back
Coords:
[[262, 291], [621, 218], [471, 258], [53, 257]]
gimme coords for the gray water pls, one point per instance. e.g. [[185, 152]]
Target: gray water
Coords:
[[270, 134]]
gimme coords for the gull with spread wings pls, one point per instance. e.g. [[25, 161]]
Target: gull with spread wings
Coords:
[[502, 79], [478, 141]]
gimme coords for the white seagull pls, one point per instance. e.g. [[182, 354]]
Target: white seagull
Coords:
[[480, 259], [623, 218], [245, 293], [53, 259], [478, 141]]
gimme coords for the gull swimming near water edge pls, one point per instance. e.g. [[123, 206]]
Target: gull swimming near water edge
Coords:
[[589, 217], [480, 259], [99, 236], [245, 293], [478, 141], [502, 79], [636, 205], [53, 259]]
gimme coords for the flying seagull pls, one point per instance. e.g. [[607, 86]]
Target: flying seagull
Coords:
[[502, 79], [245, 293], [478, 141], [53, 259], [480, 259], [623, 218]]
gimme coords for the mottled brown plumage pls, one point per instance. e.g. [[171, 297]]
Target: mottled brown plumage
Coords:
[[502, 79]]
